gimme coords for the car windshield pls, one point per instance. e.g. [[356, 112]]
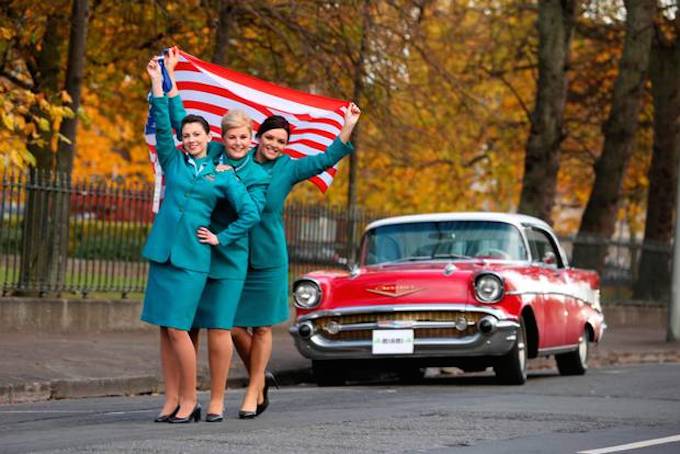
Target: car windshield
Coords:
[[446, 240]]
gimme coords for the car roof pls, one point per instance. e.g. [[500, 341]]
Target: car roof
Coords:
[[510, 218]]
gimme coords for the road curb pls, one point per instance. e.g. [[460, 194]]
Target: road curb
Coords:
[[120, 386], [140, 385]]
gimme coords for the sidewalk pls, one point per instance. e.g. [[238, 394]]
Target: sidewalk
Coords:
[[56, 366]]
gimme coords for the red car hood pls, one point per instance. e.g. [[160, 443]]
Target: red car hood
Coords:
[[403, 283]]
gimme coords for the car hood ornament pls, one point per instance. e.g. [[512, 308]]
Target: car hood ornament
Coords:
[[393, 290]]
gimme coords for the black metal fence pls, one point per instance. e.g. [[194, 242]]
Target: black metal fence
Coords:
[[86, 238], [105, 225]]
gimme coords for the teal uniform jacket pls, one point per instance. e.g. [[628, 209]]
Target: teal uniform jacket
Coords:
[[229, 261], [189, 201], [268, 238]]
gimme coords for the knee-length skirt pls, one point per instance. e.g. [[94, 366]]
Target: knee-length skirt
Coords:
[[172, 295], [217, 307], [264, 300]]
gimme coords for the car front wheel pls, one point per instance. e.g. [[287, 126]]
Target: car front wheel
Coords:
[[576, 362], [511, 369]]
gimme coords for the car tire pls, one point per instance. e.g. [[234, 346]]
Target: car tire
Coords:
[[576, 362], [511, 368], [328, 373]]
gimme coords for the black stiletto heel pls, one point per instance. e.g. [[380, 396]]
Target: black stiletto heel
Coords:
[[166, 418], [269, 380], [194, 416]]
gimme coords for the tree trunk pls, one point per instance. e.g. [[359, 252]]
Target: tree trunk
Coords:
[[599, 217], [36, 253], [46, 80], [223, 31], [541, 162], [654, 272], [45, 232], [74, 80], [353, 158]]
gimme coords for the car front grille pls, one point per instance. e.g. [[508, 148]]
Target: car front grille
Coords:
[[360, 326]]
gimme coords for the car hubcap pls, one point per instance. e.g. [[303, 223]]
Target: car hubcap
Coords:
[[583, 350], [521, 350]]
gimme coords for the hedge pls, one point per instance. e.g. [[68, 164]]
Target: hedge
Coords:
[[88, 239]]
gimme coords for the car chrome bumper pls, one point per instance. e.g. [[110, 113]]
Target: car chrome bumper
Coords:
[[318, 347]]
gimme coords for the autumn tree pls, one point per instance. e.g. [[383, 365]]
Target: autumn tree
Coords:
[[653, 280], [541, 162], [600, 214]]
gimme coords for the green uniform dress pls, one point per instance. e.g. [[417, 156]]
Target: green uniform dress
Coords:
[[264, 300], [229, 263], [179, 263]]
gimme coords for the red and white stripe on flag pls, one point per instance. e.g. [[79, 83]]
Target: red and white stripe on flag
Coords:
[[211, 91]]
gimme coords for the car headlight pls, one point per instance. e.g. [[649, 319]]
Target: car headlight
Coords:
[[488, 288], [306, 294]]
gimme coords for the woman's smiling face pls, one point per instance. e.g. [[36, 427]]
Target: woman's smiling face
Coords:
[[195, 139], [272, 143], [237, 142]]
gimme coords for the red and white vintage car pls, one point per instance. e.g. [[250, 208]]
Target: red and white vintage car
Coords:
[[471, 290]]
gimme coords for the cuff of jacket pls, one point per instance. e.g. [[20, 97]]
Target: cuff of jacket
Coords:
[[346, 148]]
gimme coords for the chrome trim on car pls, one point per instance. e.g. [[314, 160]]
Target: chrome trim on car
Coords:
[[402, 308], [498, 276], [567, 295], [315, 282], [557, 350], [496, 344], [398, 324]]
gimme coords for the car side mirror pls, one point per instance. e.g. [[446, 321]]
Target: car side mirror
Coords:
[[353, 268], [549, 258]]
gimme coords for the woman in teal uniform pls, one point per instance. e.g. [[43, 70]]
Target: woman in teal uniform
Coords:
[[264, 301], [179, 246], [229, 263]]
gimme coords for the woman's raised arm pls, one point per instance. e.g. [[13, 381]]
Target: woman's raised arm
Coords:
[[165, 144]]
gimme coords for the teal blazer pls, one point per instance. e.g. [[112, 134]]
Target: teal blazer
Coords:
[[229, 261], [268, 238], [190, 197]]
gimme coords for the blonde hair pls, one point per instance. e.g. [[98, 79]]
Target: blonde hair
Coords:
[[236, 119]]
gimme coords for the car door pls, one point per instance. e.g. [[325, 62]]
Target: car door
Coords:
[[549, 269]]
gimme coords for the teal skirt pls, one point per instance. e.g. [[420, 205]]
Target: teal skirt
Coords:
[[172, 295], [264, 300], [217, 307]]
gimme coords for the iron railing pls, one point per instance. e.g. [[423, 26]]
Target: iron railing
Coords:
[[104, 226]]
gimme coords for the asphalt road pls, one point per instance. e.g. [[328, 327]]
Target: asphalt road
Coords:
[[463, 414]]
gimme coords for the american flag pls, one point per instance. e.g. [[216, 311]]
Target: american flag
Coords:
[[211, 91]]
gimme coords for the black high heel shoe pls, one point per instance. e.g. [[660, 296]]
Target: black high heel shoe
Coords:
[[194, 416], [214, 417], [166, 418], [246, 414], [269, 380]]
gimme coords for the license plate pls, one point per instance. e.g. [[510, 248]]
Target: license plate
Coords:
[[392, 341]]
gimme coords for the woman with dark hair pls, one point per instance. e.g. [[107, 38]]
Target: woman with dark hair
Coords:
[[264, 301], [179, 246]]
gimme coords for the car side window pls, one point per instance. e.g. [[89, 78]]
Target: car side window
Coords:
[[543, 248]]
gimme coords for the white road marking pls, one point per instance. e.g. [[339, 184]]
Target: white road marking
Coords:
[[636, 445]]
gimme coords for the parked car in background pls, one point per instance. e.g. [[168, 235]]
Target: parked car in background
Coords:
[[316, 253], [471, 290]]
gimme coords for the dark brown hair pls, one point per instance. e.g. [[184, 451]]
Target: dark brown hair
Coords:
[[273, 122], [196, 119]]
